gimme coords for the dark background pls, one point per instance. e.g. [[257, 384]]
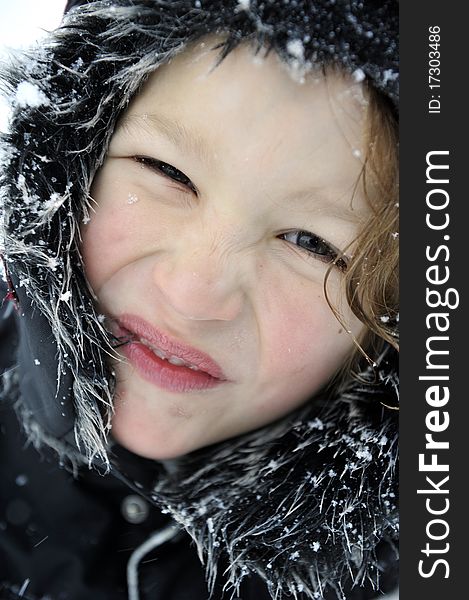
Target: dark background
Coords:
[[421, 132]]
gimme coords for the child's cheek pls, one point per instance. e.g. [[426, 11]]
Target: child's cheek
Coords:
[[304, 346], [110, 238]]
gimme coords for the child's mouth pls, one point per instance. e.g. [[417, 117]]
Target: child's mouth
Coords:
[[174, 360], [160, 367]]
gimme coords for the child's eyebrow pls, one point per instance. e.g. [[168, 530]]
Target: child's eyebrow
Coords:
[[316, 200], [173, 130], [192, 142]]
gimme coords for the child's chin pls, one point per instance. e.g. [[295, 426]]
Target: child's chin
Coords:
[[150, 443]]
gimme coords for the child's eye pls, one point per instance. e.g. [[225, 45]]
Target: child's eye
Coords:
[[166, 170], [315, 247]]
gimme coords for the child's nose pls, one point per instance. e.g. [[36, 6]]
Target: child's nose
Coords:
[[198, 285]]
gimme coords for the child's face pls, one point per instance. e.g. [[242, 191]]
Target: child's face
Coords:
[[214, 269]]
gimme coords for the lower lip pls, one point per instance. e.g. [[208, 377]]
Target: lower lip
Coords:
[[165, 375]]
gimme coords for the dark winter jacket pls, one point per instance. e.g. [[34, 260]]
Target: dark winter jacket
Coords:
[[306, 506]]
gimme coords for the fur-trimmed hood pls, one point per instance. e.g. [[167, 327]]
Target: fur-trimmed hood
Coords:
[[304, 502]]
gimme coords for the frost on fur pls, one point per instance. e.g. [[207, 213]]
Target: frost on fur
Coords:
[[303, 503]]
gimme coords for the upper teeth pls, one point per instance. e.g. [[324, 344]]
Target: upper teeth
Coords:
[[174, 360]]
